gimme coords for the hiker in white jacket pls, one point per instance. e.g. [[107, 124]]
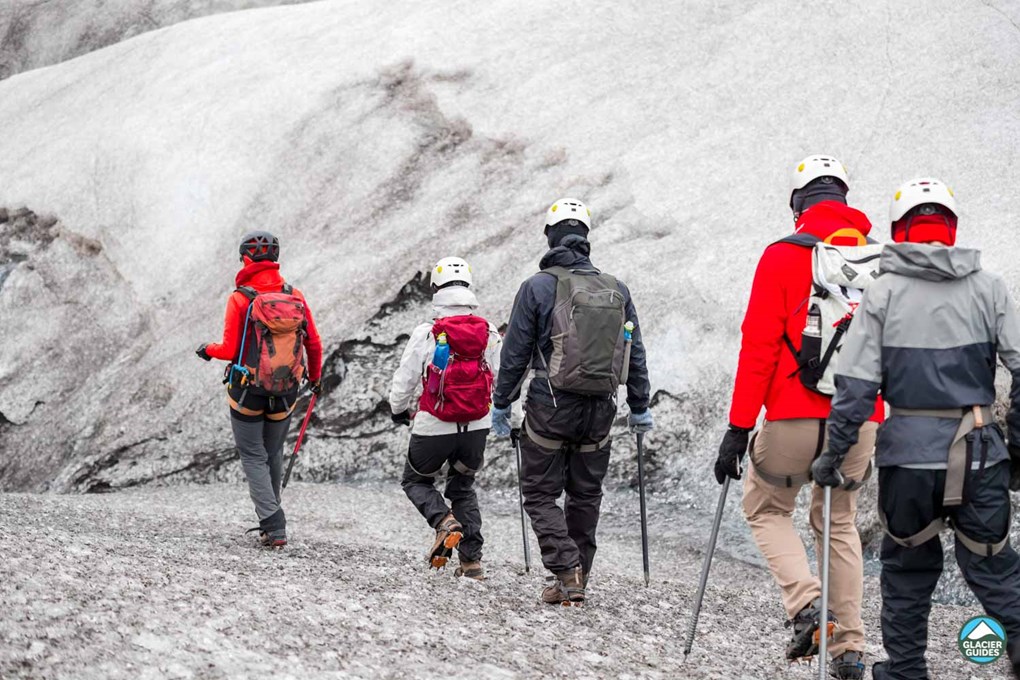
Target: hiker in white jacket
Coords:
[[452, 419]]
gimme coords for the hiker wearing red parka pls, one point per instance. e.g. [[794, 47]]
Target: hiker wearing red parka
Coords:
[[787, 329], [270, 338], [444, 387]]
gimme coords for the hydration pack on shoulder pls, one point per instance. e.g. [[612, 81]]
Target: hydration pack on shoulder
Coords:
[[272, 357], [465, 383], [839, 277], [589, 348]]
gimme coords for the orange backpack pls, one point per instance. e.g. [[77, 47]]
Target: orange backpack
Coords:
[[277, 325]]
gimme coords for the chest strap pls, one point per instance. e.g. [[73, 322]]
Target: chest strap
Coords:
[[958, 464], [557, 444]]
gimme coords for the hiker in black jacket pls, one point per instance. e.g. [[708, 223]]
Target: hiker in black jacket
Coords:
[[571, 402]]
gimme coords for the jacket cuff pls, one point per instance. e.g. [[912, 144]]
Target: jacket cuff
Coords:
[[500, 405]]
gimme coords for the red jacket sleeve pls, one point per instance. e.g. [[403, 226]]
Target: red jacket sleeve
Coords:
[[763, 328], [233, 326], [313, 345]]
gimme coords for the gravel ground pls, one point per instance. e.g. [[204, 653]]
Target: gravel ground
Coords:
[[161, 582]]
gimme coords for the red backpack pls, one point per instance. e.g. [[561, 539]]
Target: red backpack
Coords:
[[273, 347], [465, 392]]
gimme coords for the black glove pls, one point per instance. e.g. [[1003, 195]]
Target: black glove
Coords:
[[731, 452], [315, 386], [1014, 467], [825, 469], [402, 418], [202, 353]]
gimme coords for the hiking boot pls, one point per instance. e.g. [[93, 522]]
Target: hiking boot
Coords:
[[270, 541], [267, 540], [806, 635], [470, 570], [848, 666], [567, 589], [448, 535]]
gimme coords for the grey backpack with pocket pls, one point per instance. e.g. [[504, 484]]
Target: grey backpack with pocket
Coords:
[[589, 349]]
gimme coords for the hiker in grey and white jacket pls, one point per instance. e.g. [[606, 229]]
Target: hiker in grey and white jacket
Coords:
[[926, 335], [452, 419]]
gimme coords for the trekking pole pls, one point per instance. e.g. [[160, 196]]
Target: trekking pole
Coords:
[[705, 567], [823, 629], [300, 438], [515, 438], [641, 493]]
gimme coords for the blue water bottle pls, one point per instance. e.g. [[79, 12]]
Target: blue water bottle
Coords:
[[440, 358]]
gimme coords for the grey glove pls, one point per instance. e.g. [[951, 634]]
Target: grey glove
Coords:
[[501, 421], [641, 422]]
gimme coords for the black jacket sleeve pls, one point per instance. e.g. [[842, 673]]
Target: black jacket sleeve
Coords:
[[518, 347], [638, 386]]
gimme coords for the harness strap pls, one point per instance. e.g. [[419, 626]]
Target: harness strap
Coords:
[[557, 444], [935, 528], [986, 549], [463, 469], [783, 481], [971, 419], [434, 475]]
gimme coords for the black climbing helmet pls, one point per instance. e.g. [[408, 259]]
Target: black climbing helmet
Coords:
[[259, 246]]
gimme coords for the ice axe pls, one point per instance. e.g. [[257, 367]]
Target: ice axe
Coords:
[[692, 627], [300, 439], [515, 439], [641, 494]]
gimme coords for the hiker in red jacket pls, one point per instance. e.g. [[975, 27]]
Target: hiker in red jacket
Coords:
[[265, 375], [794, 430]]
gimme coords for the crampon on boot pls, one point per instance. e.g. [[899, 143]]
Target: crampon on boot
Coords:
[[470, 570], [806, 636], [267, 541], [847, 666], [567, 589], [448, 535]]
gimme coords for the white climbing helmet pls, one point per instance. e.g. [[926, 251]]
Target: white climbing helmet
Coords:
[[568, 209], [918, 192], [813, 167], [451, 270]]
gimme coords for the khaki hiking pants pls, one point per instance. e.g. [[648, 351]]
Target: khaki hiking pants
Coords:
[[788, 447]]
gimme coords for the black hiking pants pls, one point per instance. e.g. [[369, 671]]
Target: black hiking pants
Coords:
[[566, 536], [910, 500], [464, 453]]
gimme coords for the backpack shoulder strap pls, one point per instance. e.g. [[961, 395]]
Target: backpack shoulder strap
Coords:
[[248, 292], [802, 240]]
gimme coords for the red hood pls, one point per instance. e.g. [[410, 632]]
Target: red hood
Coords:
[[826, 218], [260, 276]]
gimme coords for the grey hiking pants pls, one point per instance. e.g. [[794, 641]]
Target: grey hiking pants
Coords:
[[910, 500], [465, 454], [260, 444]]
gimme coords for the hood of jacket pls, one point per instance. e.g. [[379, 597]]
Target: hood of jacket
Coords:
[[453, 301], [931, 263], [573, 251], [826, 218]]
